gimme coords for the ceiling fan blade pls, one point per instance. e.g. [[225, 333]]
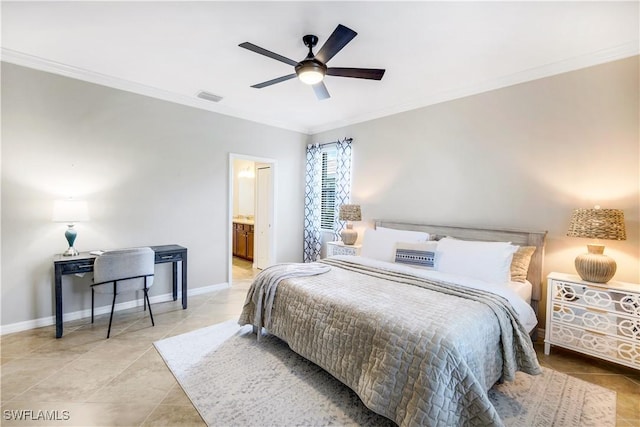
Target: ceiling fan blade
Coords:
[[321, 91], [336, 41], [358, 73], [274, 81], [257, 49]]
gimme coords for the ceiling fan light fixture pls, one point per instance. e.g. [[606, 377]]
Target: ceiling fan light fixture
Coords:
[[311, 71], [311, 77]]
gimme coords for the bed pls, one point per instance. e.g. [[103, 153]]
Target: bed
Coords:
[[419, 346]]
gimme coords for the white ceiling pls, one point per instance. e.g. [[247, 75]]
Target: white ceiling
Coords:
[[432, 51]]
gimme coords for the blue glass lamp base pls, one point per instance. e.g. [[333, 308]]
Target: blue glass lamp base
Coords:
[[70, 234]]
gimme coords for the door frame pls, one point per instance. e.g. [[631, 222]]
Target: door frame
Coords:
[[232, 173], [262, 261]]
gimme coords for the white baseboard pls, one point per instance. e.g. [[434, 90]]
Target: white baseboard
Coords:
[[51, 320]]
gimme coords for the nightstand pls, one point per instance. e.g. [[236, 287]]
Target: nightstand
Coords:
[[339, 248], [601, 320]]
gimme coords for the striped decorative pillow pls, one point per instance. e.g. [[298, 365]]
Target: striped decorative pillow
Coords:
[[421, 255]]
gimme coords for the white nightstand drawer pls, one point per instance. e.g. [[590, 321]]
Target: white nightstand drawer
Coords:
[[597, 297], [623, 351], [339, 248], [597, 320]]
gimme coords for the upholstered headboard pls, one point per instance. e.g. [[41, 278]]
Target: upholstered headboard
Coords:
[[517, 237]]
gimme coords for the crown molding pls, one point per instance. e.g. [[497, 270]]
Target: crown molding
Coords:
[[595, 58], [41, 64]]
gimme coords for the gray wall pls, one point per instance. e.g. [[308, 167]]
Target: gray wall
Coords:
[[520, 157], [152, 172]]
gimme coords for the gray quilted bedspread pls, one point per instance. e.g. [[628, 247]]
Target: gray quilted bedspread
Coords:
[[420, 352]]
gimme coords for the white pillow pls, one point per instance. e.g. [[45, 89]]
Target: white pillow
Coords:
[[381, 245], [406, 235], [488, 261], [417, 254]]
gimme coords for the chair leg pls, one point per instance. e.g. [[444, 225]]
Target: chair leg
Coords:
[[113, 304], [92, 297], [146, 295]]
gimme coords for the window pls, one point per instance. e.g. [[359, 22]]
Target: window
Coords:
[[328, 197]]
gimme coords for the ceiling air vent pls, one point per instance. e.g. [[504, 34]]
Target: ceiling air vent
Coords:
[[209, 96]]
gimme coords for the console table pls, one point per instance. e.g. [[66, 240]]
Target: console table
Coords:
[[83, 263]]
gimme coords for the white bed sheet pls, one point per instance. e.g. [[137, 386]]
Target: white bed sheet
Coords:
[[513, 293], [523, 289]]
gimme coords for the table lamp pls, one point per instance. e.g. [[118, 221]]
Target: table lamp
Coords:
[[597, 223], [350, 213], [70, 212]]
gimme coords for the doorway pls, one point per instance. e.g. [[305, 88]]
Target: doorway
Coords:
[[251, 216]]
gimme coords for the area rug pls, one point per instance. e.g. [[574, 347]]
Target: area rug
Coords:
[[233, 380]]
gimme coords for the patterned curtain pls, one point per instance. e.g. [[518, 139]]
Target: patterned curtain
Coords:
[[343, 182], [313, 195], [312, 204]]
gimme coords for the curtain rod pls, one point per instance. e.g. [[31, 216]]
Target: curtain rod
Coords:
[[329, 143]]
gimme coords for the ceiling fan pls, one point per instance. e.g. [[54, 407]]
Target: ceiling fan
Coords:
[[313, 68]]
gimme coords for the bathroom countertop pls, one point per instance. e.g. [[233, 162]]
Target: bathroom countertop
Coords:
[[243, 221]]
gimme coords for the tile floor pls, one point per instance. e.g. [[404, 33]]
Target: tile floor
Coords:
[[124, 382]]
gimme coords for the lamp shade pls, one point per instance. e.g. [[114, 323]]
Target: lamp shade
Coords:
[[598, 223], [70, 211], [350, 213]]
